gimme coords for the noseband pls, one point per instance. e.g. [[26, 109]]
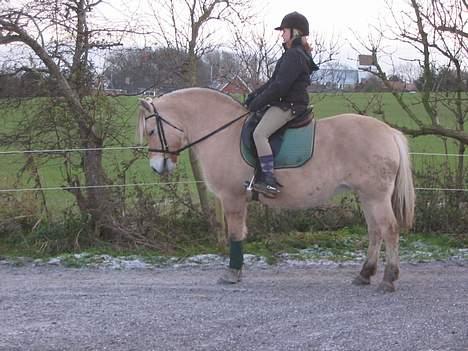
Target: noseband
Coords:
[[160, 120]]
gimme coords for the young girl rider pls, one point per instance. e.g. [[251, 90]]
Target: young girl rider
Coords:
[[284, 96]]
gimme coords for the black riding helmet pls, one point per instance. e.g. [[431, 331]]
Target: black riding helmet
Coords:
[[295, 20]]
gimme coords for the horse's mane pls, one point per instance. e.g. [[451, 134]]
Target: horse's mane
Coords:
[[226, 98], [213, 91]]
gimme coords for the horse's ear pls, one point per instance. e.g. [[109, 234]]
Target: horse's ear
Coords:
[[146, 104]]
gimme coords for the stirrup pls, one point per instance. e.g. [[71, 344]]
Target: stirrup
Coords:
[[266, 189]]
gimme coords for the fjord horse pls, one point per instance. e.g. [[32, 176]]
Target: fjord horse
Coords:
[[353, 152]]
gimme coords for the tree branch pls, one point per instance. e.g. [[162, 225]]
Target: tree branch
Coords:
[[433, 130], [54, 70]]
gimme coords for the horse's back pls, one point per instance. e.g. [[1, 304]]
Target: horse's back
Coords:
[[354, 122], [355, 132], [356, 150]]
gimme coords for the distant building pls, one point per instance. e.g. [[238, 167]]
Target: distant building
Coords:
[[336, 79], [115, 92], [150, 92], [234, 86], [401, 86]]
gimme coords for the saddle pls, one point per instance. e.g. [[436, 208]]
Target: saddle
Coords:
[[292, 145]]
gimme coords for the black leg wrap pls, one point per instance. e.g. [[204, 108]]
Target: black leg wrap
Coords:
[[236, 256]]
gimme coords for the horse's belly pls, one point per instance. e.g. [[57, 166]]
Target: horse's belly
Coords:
[[291, 199]]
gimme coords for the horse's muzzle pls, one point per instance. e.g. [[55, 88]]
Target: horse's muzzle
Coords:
[[162, 166]]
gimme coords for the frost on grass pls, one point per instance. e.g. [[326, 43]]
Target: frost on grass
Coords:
[[419, 251], [413, 252]]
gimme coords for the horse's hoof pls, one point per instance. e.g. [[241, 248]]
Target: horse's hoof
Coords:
[[230, 276], [386, 287], [360, 280]]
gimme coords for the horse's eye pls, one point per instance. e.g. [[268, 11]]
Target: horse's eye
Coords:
[[151, 133]]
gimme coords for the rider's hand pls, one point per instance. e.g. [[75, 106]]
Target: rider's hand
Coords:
[[249, 99]]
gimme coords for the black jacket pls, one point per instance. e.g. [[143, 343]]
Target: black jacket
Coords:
[[287, 87]]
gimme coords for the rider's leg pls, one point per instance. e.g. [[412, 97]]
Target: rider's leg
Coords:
[[273, 119]]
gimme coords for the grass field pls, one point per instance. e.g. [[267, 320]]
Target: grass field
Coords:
[[51, 172]]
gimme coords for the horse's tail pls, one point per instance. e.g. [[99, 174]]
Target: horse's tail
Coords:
[[403, 196]]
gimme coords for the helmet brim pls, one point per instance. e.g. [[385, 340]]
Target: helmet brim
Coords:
[[279, 28]]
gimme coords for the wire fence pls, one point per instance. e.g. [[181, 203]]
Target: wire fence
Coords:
[[139, 147], [136, 147], [57, 151], [13, 190]]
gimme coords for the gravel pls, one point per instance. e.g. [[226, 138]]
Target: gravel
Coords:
[[280, 307]]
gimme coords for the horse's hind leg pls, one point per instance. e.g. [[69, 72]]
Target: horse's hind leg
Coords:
[[382, 225], [391, 237], [370, 265]]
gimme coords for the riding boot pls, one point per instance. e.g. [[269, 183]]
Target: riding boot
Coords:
[[267, 184]]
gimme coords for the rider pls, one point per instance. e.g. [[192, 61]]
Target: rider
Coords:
[[284, 96]]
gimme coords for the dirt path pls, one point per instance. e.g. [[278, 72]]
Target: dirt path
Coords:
[[278, 308]]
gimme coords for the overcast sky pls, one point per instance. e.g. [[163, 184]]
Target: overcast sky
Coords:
[[337, 18], [343, 19], [330, 15]]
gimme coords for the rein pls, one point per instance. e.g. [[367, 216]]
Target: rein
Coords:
[[162, 136]]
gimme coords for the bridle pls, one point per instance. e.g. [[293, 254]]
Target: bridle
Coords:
[[161, 134], [160, 121]]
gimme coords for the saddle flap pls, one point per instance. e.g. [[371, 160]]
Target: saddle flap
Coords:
[[292, 147]]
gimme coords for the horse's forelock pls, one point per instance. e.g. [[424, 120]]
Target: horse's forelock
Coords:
[[146, 106], [141, 125]]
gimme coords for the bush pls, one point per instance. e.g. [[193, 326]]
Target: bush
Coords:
[[440, 211], [262, 220], [168, 219], [18, 213]]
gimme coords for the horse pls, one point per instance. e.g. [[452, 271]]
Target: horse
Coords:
[[352, 153]]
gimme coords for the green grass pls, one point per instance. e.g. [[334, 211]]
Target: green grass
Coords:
[[51, 173], [347, 244], [336, 245], [336, 104]]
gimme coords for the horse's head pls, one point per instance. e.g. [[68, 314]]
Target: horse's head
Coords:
[[164, 135]]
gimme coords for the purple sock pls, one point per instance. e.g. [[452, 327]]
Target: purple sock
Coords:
[[267, 165]]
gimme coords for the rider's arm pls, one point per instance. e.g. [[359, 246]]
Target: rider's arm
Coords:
[[291, 67]]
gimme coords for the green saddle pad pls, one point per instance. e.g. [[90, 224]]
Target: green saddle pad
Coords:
[[296, 149]]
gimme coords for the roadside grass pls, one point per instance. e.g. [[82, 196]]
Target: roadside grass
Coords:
[[344, 245]]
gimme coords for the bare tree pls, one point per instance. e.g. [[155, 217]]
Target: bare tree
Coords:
[[59, 42], [436, 29], [258, 51], [223, 65], [189, 26], [431, 42], [137, 70]]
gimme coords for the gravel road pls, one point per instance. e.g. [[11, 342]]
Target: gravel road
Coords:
[[274, 308]]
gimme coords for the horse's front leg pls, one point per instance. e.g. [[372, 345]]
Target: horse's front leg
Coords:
[[235, 211]]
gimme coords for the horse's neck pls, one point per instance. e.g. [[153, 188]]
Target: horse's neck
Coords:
[[220, 150], [202, 124]]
